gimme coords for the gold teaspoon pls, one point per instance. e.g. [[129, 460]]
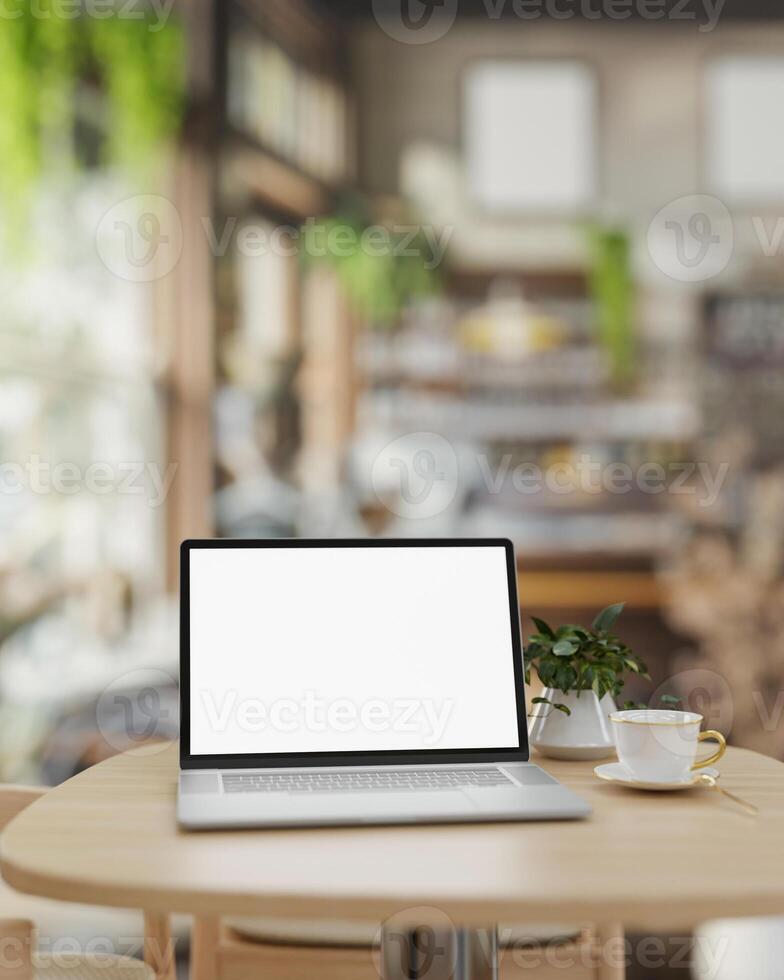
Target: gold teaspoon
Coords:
[[709, 780]]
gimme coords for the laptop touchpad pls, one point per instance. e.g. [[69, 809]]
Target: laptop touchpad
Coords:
[[444, 803], [199, 782]]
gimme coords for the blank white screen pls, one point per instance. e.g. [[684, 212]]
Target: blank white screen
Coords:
[[350, 650]]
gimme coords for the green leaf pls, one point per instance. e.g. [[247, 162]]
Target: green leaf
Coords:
[[670, 699], [586, 676], [543, 627], [558, 707], [572, 628], [563, 648], [606, 618], [565, 678]]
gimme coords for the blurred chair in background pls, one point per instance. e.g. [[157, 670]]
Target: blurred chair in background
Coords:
[[22, 961]]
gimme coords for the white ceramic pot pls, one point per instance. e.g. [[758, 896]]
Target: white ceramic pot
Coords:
[[584, 734]]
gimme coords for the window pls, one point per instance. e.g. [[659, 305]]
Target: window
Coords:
[[744, 136], [530, 135]]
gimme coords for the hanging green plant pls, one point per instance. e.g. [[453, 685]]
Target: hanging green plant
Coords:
[[20, 144], [143, 74], [382, 266], [135, 63], [612, 288]]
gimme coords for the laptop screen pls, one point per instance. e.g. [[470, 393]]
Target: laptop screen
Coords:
[[301, 648]]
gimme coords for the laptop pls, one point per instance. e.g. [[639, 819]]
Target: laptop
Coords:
[[330, 682]]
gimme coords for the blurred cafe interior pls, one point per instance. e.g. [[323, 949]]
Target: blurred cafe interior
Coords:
[[295, 268]]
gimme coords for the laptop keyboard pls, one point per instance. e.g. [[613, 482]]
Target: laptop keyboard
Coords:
[[385, 779]]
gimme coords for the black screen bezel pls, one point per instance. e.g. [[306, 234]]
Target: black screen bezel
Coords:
[[316, 759]]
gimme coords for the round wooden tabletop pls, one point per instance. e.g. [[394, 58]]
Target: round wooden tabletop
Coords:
[[653, 860]]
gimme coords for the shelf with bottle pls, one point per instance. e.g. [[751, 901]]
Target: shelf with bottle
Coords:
[[296, 113]]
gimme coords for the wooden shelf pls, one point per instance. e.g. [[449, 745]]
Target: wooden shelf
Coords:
[[475, 418], [273, 182], [472, 282], [590, 589], [314, 36]]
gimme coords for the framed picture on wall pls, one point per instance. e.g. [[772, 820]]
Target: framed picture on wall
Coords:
[[744, 140], [529, 130]]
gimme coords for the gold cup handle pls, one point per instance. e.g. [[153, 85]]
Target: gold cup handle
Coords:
[[716, 737]]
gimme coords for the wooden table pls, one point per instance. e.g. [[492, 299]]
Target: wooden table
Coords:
[[649, 861]]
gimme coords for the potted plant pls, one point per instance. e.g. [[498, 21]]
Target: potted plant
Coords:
[[582, 670]]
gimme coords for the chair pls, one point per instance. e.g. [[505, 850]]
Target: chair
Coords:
[[20, 960], [289, 949]]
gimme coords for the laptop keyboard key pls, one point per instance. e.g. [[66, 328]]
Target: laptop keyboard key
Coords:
[[330, 782]]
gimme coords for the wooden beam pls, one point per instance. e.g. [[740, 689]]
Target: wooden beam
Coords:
[[191, 302], [589, 589]]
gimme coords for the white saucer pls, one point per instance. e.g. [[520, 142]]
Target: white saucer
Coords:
[[614, 772]]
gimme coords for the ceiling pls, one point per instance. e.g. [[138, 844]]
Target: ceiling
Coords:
[[731, 9]]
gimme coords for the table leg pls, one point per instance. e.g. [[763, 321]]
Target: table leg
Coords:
[[17, 939], [425, 953], [205, 937], [159, 946], [611, 952]]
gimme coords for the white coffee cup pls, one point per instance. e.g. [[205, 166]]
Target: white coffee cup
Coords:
[[660, 746]]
